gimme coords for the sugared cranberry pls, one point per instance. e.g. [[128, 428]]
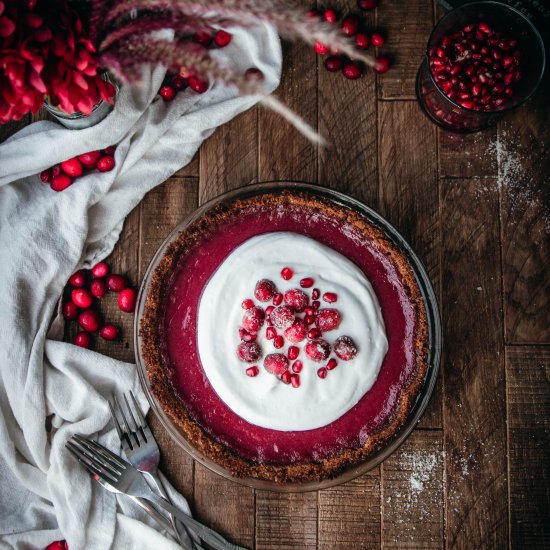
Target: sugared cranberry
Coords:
[[366, 4], [345, 348], [306, 282], [297, 332], [82, 340], [318, 350], [168, 93], [61, 182], [295, 380], [265, 289], [330, 16], [382, 65], [98, 288], [362, 40], [105, 163], [297, 366], [278, 342], [70, 311], [100, 269], [72, 167], [352, 71], [127, 300], [270, 333], [350, 25], [82, 297], [275, 363], [252, 371], [116, 282], [109, 332], [89, 320], [282, 317], [198, 85], [296, 299], [203, 38], [287, 273], [322, 372], [249, 352], [46, 176], [253, 319], [222, 38], [333, 63], [377, 39], [328, 319], [78, 279], [320, 48], [332, 364], [330, 297], [247, 304], [293, 352], [89, 160]]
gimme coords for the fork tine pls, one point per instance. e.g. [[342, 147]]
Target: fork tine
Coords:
[[89, 461], [131, 414], [100, 459], [139, 413], [125, 428], [111, 458], [115, 420]]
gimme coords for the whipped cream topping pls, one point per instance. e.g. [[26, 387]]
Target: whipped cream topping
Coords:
[[264, 400]]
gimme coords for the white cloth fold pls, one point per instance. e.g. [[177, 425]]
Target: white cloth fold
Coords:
[[44, 237]]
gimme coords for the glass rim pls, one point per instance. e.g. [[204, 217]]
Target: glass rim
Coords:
[[434, 332], [536, 33]]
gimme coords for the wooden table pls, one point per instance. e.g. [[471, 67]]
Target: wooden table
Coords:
[[476, 209]]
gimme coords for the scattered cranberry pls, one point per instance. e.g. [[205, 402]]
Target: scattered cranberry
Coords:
[[345, 348], [179, 83], [46, 176], [306, 282], [333, 63], [382, 65], [278, 342], [297, 332], [247, 304], [362, 40], [70, 311], [282, 317], [78, 279], [352, 71], [287, 273], [293, 352], [275, 363], [105, 163], [109, 332], [377, 39], [264, 291], [320, 48], [252, 371], [82, 340], [296, 299], [89, 320], [61, 182], [168, 93], [253, 319], [89, 160], [110, 150], [322, 372], [222, 38], [116, 283], [82, 297], [198, 85], [204, 38], [318, 350], [328, 319], [127, 300], [350, 25], [295, 380], [297, 366], [100, 269], [58, 544], [98, 288], [330, 16], [249, 352], [330, 297], [366, 4], [72, 167], [56, 170]]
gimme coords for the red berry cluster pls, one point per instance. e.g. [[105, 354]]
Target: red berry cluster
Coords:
[[352, 26], [176, 83], [477, 67], [295, 316], [57, 545], [80, 304], [65, 174]]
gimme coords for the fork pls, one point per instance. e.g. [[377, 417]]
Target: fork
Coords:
[[128, 480], [141, 450]]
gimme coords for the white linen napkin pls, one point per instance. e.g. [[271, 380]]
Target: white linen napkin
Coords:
[[44, 237]]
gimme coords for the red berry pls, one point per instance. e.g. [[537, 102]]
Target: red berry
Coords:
[[333, 63], [268, 310], [46, 176], [296, 332], [249, 352], [312, 14], [366, 4], [328, 319], [350, 25], [61, 182], [345, 348], [82, 297], [70, 311], [310, 310], [179, 83], [275, 363], [105, 164], [116, 283], [287, 273], [82, 340], [316, 304], [58, 544], [322, 372], [362, 40], [100, 269], [247, 304], [314, 333], [110, 150], [297, 366], [167, 93], [309, 319], [315, 294], [296, 299], [377, 39], [89, 320], [330, 16], [253, 319], [352, 71], [332, 364], [330, 297], [198, 85], [278, 342], [252, 371], [89, 160], [203, 38], [56, 170], [381, 65], [277, 299], [247, 336], [318, 350], [109, 332], [98, 288], [306, 282], [295, 380], [282, 317], [222, 38], [78, 279], [265, 289], [320, 48], [293, 352], [270, 333], [285, 377], [127, 300], [72, 167]]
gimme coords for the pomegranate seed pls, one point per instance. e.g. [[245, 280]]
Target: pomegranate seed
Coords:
[[278, 342], [366, 4], [168, 93], [46, 176], [265, 289], [287, 273], [318, 349], [179, 83], [296, 299], [105, 164], [98, 288], [249, 352], [316, 304], [61, 182], [314, 333], [484, 27], [295, 380], [198, 85], [69, 310], [330, 297], [203, 38], [332, 364], [315, 294], [333, 63], [222, 38], [268, 310], [127, 300], [345, 348], [252, 371], [508, 62], [350, 25], [306, 282], [72, 167], [320, 48], [253, 319], [352, 71], [377, 39], [282, 317], [293, 352], [310, 310], [309, 319], [286, 377], [270, 333], [296, 332], [362, 40], [100, 269], [116, 283], [322, 372], [83, 340], [382, 65], [242, 333], [78, 279], [249, 336], [297, 366], [82, 297], [327, 319], [89, 320], [329, 16], [247, 304], [277, 299], [109, 332], [275, 363]]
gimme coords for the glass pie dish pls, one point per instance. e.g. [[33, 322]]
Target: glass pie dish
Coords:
[[263, 192]]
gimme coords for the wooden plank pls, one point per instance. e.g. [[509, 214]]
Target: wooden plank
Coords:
[[347, 119], [413, 491], [407, 27], [10, 128], [528, 385], [524, 177], [349, 514], [409, 194], [286, 521], [474, 403]]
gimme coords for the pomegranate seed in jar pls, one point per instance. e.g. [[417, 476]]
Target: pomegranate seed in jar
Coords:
[[278, 342], [297, 366], [287, 273], [293, 352], [306, 282]]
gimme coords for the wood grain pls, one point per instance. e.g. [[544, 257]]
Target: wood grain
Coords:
[[528, 385], [474, 404]]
